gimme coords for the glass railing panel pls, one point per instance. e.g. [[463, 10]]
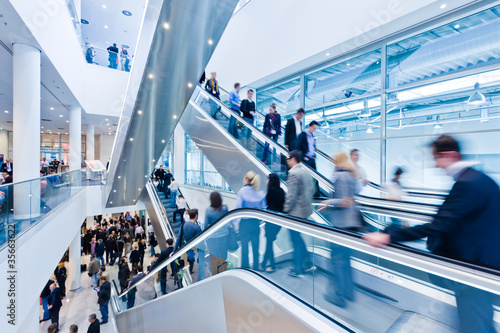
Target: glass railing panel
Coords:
[[255, 144], [120, 60], [25, 204], [334, 272]]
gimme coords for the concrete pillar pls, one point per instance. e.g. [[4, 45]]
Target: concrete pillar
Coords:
[[26, 130], [75, 138], [90, 146], [74, 272]]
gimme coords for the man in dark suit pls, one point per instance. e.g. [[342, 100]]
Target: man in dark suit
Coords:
[[306, 143], [55, 304], [466, 227], [104, 294], [160, 174], [94, 326], [7, 167], [167, 180], [164, 255], [293, 128]]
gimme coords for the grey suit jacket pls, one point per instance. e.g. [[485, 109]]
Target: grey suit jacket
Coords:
[[300, 193]]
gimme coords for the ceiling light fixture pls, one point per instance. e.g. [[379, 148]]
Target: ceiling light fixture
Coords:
[[325, 125], [119, 177], [52, 108], [131, 139], [111, 202], [105, 27], [443, 6], [210, 42], [327, 54], [162, 141], [126, 13], [6, 111], [166, 25], [457, 26], [150, 75], [190, 85], [175, 117], [106, 119], [104, 6], [107, 124], [369, 130], [365, 113], [67, 121], [476, 98], [61, 115], [139, 112], [348, 64]]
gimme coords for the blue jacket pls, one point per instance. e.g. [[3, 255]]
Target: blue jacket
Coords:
[[275, 125], [235, 100], [99, 252], [467, 225]]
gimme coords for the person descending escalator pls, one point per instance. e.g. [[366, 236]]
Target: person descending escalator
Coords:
[[343, 214]]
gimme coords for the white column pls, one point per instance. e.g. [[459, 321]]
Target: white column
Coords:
[[26, 129], [75, 138], [90, 145], [74, 272], [179, 154], [90, 222]]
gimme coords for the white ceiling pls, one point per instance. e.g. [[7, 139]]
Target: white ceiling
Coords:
[[56, 97], [121, 29]]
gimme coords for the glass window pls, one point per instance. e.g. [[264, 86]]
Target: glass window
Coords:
[[193, 177], [470, 42], [350, 78], [286, 96], [347, 121], [193, 161]]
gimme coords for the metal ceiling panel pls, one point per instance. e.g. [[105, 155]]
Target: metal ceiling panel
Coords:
[[173, 51]]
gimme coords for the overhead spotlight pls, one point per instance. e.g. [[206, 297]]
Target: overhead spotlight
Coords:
[[327, 54], [52, 108], [6, 111], [105, 27], [107, 124], [457, 26], [119, 177], [150, 75], [325, 124], [107, 119], [369, 130], [67, 121], [166, 25], [131, 139], [42, 126], [210, 42], [476, 98], [438, 124], [104, 6], [139, 112], [162, 141], [484, 116], [443, 6], [111, 202], [348, 64], [190, 85], [61, 115], [175, 117]]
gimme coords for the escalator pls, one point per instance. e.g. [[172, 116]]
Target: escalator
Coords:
[[355, 287]]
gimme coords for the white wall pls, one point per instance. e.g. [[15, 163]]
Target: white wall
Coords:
[[4, 144], [199, 197], [103, 147], [267, 36]]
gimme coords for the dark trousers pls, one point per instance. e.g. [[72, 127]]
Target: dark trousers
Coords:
[[312, 163], [109, 255], [269, 255], [301, 258], [104, 311], [130, 299], [181, 213], [116, 255], [232, 129], [245, 239], [54, 317], [163, 285], [266, 149]]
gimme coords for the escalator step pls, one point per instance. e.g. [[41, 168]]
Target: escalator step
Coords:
[[411, 322]]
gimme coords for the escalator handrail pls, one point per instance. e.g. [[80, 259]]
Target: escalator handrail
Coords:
[[422, 193], [262, 137], [478, 276], [158, 202], [421, 208]]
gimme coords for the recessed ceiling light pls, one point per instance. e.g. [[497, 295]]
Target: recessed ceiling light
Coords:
[[67, 121], [154, 161], [107, 42], [175, 117], [139, 189], [126, 13], [348, 64], [139, 112], [61, 115], [110, 134], [107, 124], [190, 85], [162, 141], [328, 54], [105, 27], [42, 126], [119, 177], [133, 200], [145, 176], [210, 42], [52, 108], [150, 75], [84, 21], [443, 6], [166, 25], [457, 26], [104, 6], [114, 190], [6, 111], [107, 119], [131, 139], [111, 202]]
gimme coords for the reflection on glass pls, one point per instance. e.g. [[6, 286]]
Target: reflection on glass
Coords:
[[286, 96], [351, 78], [388, 294]]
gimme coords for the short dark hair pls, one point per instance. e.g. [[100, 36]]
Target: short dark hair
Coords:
[[73, 329], [273, 106], [139, 268], [353, 151], [193, 212], [103, 278], [250, 90], [215, 200], [236, 85], [274, 181], [301, 110], [93, 316], [181, 196], [170, 241], [312, 123], [445, 143], [295, 154], [103, 268]]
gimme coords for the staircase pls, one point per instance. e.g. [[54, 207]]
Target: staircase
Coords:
[[170, 211]]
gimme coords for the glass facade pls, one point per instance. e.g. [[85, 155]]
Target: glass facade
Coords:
[[199, 170], [57, 146], [390, 102]]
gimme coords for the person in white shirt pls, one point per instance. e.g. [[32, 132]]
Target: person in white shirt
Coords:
[[359, 169], [138, 231], [44, 165], [174, 187], [181, 208]]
